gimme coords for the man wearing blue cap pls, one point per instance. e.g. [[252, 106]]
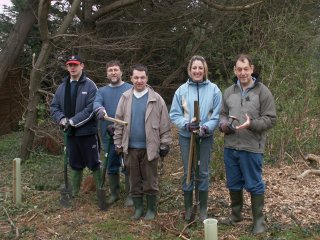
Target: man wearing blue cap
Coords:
[[72, 109]]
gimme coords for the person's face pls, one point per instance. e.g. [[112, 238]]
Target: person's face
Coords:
[[114, 74], [243, 71], [139, 80], [75, 70], [197, 71]]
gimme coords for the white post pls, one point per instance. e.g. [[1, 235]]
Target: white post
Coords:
[[210, 229], [17, 181]]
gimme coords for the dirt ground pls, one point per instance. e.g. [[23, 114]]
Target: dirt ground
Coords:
[[290, 201]]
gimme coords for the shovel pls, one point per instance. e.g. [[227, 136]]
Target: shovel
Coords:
[[66, 192], [101, 192]]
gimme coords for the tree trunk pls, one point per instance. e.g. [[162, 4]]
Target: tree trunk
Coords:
[[34, 97], [16, 39], [37, 71]]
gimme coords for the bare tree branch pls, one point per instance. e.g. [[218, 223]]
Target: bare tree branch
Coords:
[[43, 11], [230, 8], [109, 8], [68, 19]]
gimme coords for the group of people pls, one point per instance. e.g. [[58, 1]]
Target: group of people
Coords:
[[244, 113]]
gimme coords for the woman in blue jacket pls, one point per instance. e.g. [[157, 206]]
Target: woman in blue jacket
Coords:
[[197, 88]]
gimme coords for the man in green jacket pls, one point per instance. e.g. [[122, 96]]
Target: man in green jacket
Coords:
[[248, 111]]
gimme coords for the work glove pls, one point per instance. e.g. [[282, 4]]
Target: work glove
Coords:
[[191, 127], [164, 150], [204, 130], [101, 113], [65, 124], [110, 130], [118, 149], [226, 128], [63, 121]]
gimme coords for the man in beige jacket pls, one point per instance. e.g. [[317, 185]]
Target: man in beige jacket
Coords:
[[145, 138]]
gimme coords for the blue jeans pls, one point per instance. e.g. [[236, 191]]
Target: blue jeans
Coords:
[[244, 170], [114, 161], [206, 146]]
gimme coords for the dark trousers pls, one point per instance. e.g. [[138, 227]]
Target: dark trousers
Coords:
[[143, 173], [83, 151]]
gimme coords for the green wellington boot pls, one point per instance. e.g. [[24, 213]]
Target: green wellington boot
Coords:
[[188, 198], [97, 176], [128, 202], [236, 209], [76, 178], [257, 204], [151, 207], [203, 198], [114, 183], [138, 208]]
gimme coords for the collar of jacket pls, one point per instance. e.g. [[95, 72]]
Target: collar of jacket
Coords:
[[81, 79], [151, 92], [191, 82], [254, 75]]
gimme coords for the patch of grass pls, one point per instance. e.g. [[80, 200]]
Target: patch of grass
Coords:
[[46, 172], [115, 230], [10, 145]]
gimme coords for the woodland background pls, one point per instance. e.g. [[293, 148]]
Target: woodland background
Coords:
[[36, 37]]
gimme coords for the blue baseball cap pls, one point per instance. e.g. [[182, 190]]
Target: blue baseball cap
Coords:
[[74, 59]]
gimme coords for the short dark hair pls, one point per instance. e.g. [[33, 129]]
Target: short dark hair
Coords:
[[138, 67], [114, 63], [242, 57]]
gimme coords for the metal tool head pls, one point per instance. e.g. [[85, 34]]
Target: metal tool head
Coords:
[[101, 194], [234, 118], [65, 196]]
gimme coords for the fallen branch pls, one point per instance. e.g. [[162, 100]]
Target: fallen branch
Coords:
[[176, 233], [11, 223], [186, 226], [293, 161], [313, 171], [313, 159]]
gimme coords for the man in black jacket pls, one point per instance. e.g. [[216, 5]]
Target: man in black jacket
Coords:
[[72, 109]]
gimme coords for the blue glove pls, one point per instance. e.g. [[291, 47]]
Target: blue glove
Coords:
[[193, 126], [204, 130]]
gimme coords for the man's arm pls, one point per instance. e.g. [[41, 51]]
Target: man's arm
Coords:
[[86, 113], [98, 101], [165, 128], [268, 116], [56, 110], [118, 128]]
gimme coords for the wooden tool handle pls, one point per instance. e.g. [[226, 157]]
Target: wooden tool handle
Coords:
[[115, 120]]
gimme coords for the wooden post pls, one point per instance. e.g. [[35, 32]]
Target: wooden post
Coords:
[[192, 149], [17, 181]]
